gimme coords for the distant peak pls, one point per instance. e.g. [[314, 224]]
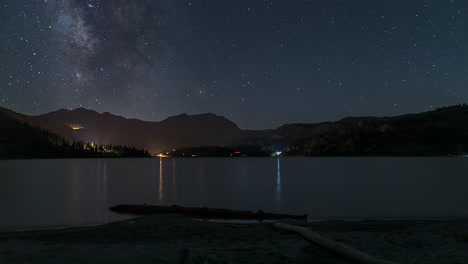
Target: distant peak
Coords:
[[205, 115], [208, 114], [82, 109], [184, 115], [79, 109]]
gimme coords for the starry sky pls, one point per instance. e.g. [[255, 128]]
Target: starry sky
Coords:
[[259, 63]]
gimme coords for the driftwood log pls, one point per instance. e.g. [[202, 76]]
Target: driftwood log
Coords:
[[202, 212], [338, 248]]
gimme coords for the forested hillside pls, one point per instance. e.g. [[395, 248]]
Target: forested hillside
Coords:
[[19, 139]]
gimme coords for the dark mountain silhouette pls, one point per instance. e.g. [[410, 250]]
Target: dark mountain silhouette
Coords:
[[440, 132], [174, 132], [23, 137]]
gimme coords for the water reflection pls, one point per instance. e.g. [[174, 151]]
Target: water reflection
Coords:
[[160, 189], [98, 187], [68, 192], [174, 189], [101, 192], [278, 196], [74, 194], [103, 195]]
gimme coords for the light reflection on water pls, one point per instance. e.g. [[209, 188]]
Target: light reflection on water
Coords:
[[174, 177], [52, 193], [161, 188], [278, 198], [239, 180]]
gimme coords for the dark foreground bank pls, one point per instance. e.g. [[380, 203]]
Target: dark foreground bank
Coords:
[[175, 239]]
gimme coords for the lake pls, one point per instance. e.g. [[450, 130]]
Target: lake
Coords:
[[76, 192]]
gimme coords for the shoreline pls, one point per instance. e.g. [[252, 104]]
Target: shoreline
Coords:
[[272, 157], [59, 228], [239, 221], [176, 239]]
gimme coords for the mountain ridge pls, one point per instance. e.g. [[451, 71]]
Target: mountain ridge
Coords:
[[437, 132], [173, 132], [24, 137]]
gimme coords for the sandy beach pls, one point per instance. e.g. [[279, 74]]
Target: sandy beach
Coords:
[[177, 239]]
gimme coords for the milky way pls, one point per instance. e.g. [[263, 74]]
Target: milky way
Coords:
[[258, 63]]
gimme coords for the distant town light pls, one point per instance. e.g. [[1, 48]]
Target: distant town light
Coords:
[[74, 126]]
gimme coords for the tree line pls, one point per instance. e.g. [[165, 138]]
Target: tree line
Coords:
[[21, 140]]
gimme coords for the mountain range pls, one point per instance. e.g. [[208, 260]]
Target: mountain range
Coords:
[[439, 132], [172, 133], [25, 137]]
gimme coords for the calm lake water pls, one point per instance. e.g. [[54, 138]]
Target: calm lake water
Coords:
[[71, 192]]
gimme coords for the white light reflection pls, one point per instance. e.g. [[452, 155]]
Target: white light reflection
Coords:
[[278, 198], [160, 189], [174, 188]]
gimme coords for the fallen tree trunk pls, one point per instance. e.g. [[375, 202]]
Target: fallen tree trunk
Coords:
[[338, 248], [202, 212]]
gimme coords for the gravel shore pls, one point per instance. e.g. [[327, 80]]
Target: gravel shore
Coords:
[[177, 239]]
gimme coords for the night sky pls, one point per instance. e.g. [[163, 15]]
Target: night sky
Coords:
[[258, 63]]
